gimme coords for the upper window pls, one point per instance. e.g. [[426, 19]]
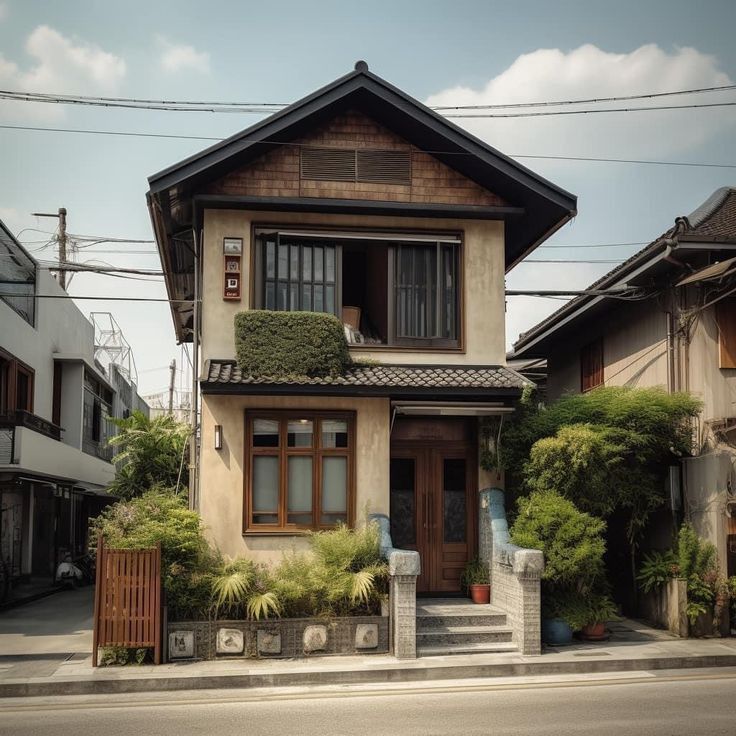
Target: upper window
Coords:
[[16, 385], [18, 277], [300, 470], [388, 289], [96, 412], [591, 365]]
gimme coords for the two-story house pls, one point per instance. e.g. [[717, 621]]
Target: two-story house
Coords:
[[55, 404], [672, 325], [361, 202]]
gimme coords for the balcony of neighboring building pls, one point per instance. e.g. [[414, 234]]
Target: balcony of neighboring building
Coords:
[[32, 445]]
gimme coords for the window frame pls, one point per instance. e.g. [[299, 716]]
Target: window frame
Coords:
[[13, 369], [283, 452], [591, 379], [401, 237]]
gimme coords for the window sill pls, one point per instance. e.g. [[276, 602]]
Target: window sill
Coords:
[[283, 532], [368, 348]]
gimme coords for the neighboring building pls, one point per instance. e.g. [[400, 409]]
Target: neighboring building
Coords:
[[358, 201], [55, 404], [675, 327]]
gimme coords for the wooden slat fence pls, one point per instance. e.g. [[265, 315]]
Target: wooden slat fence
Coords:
[[128, 599]]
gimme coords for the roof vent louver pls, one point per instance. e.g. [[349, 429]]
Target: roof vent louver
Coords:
[[361, 165]]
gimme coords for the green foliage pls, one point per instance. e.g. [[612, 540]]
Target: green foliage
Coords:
[[694, 556], [656, 569], [159, 516], [150, 452], [121, 656], [476, 572], [572, 541], [343, 575], [290, 344], [239, 590], [580, 610], [606, 449]]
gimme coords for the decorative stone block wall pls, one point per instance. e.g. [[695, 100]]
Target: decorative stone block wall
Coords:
[[515, 573], [274, 638]]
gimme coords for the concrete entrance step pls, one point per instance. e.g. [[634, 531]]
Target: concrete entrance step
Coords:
[[450, 635], [458, 626], [471, 648]]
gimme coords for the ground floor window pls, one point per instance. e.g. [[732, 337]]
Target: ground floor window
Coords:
[[299, 470]]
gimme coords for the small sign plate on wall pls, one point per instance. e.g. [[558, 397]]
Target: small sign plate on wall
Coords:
[[232, 261]]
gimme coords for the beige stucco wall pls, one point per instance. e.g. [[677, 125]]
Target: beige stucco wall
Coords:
[[634, 350], [221, 495], [483, 282]]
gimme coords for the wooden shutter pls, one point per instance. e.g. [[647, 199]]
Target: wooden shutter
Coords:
[[591, 365], [726, 319]]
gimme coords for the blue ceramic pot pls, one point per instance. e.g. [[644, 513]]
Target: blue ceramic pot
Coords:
[[556, 632]]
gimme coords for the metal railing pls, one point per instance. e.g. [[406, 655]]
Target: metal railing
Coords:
[[19, 418]]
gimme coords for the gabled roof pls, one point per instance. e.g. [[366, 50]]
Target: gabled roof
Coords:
[[714, 221], [537, 207]]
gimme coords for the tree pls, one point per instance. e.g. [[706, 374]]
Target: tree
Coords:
[[151, 453], [606, 450]]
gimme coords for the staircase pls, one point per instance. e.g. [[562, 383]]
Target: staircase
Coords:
[[457, 626]]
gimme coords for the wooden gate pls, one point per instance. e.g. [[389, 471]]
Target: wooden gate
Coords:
[[128, 599]]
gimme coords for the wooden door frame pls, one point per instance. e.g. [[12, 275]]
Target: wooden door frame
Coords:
[[426, 454]]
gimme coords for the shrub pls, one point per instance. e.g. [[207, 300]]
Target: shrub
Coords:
[[343, 575], [290, 344], [476, 572], [239, 590], [186, 560], [121, 656], [572, 541]]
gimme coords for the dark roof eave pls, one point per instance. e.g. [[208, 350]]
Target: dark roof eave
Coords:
[[351, 206], [281, 389]]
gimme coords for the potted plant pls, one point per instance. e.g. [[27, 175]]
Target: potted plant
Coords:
[[599, 608], [477, 581]]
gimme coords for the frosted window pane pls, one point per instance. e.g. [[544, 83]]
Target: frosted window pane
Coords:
[[334, 485], [300, 484], [265, 484]]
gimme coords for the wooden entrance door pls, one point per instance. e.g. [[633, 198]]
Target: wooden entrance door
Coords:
[[433, 509]]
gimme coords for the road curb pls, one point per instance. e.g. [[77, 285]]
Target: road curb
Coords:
[[381, 674]]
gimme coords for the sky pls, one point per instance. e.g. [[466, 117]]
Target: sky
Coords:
[[443, 53]]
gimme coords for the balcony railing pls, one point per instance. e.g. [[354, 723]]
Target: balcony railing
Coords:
[[19, 418]]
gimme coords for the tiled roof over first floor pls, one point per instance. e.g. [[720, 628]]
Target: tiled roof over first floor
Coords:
[[380, 378]]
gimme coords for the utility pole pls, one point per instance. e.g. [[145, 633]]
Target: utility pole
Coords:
[[61, 215], [172, 377], [62, 245]]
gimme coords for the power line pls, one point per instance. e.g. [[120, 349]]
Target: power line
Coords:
[[590, 100], [589, 112], [134, 134], [270, 107]]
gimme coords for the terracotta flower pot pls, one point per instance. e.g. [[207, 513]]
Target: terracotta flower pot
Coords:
[[594, 632], [480, 593]]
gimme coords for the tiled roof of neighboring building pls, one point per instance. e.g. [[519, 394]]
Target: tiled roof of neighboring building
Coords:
[[380, 376], [715, 219]]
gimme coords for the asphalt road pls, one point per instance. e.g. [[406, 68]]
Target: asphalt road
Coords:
[[687, 703]]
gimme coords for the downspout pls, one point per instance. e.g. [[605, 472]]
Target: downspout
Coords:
[[194, 413]]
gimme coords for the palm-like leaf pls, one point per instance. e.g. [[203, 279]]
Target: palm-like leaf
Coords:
[[262, 605], [362, 588], [232, 586]]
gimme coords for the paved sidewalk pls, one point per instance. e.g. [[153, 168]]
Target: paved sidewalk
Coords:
[[632, 648]]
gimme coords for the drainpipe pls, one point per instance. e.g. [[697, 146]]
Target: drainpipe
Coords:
[[193, 417], [670, 352]]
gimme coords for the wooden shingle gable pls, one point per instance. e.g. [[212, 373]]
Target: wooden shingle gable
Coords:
[[280, 172]]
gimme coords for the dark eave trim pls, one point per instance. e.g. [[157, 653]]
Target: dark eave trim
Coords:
[[271, 389], [353, 206]]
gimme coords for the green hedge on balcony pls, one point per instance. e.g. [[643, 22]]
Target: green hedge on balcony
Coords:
[[290, 344]]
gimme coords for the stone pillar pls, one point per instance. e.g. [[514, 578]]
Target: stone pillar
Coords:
[[515, 573], [404, 616], [403, 570]]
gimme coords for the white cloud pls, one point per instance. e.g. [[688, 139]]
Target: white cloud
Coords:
[[176, 57], [586, 72], [59, 65]]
